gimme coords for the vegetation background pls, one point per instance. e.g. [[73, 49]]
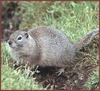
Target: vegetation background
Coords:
[[74, 18]]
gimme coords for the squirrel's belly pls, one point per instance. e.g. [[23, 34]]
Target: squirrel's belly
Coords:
[[50, 59], [50, 62]]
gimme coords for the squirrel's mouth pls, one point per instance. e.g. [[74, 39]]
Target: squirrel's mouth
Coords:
[[16, 46]]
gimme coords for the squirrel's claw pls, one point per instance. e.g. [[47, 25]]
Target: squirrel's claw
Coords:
[[60, 71]]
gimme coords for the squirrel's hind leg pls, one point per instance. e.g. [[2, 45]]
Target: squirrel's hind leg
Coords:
[[60, 71]]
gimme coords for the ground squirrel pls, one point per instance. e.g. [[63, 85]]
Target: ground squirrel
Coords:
[[44, 46]]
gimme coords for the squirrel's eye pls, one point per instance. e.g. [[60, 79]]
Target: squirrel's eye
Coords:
[[19, 38]]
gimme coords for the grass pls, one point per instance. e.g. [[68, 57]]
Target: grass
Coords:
[[75, 19], [12, 79]]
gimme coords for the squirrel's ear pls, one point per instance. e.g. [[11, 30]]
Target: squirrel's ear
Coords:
[[26, 35]]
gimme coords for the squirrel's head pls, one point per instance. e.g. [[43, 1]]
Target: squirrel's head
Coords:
[[18, 39]]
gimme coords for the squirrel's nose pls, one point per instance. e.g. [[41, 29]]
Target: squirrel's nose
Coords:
[[9, 42]]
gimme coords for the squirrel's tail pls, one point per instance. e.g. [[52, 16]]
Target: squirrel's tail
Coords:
[[87, 39]]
